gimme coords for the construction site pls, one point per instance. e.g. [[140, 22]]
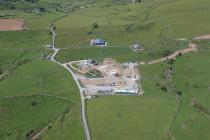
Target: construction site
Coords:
[[107, 78]]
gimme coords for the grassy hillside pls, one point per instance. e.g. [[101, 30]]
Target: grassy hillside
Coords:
[[22, 117], [35, 94], [43, 6], [167, 22], [124, 118], [121, 54], [155, 24], [161, 113], [39, 78], [59, 101]]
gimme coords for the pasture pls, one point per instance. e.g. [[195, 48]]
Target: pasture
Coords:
[[32, 79], [191, 124], [18, 48], [156, 25], [23, 117], [124, 118], [123, 25], [122, 54], [189, 75], [28, 78]]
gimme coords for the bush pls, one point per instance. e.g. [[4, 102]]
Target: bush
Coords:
[[179, 93], [1, 72], [33, 103], [95, 25], [29, 133], [165, 89], [54, 27], [50, 126], [167, 53], [89, 33], [171, 61]]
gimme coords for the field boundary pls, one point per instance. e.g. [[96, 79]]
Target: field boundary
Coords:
[[41, 95], [174, 119]]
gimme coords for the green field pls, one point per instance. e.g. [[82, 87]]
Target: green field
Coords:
[[35, 92], [126, 118], [21, 115], [56, 93], [189, 75], [191, 124], [121, 54], [31, 79]]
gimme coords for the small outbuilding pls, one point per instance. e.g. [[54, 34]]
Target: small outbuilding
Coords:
[[98, 42]]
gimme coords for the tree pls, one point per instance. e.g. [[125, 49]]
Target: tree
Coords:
[[164, 89]]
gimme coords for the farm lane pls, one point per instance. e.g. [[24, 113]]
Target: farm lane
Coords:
[[83, 115], [191, 48]]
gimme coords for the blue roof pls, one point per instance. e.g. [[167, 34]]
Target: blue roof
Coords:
[[99, 41]]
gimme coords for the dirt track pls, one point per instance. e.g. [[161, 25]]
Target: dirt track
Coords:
[[191, 47], [11, 24], [38, 134], [202, 37]]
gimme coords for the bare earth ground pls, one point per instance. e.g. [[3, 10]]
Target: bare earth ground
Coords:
[[11, 24], [202, 37], [37, 135], [114, 77], [191, 47]]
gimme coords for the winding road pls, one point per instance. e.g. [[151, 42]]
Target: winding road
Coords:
[[52, 58]]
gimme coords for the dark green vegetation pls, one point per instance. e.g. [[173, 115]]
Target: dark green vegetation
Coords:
[[176, 101]]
